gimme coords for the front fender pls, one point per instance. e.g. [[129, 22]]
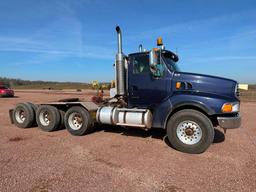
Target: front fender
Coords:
[[209, 103]]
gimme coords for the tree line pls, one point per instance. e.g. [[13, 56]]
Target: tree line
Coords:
[[12, 82], [28, 84]]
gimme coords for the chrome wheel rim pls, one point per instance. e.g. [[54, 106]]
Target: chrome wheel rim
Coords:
[[44, 118], [189, 132], [75, 121], [20, 116]]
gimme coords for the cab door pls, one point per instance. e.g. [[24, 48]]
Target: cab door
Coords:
[[145, 90]]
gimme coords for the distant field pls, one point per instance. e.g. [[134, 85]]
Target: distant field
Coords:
[[50, 85], [248, 95], [27, 84], [54, 86]]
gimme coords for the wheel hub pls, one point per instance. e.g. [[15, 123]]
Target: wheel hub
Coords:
[[189, 132], [20, 116], [44, 118], [75, 121]]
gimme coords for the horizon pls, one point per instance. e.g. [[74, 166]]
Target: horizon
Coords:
[[49, 81], [68, 41]]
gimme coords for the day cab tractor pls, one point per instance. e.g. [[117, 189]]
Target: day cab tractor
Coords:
[[150, 92]]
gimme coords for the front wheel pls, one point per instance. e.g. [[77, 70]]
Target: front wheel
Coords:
[[190, 131], [78, 121]]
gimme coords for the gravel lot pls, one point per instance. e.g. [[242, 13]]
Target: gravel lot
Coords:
[[118, 159]]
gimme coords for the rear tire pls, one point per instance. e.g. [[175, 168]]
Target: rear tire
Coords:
[[23, 115], [78, 121], [190, 131], [62, 115], [34, 107], [48, 118]]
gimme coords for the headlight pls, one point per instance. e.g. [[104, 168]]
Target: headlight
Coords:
[[230, 107]]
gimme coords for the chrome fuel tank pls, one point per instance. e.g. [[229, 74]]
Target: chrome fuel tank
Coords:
[[125, 117]]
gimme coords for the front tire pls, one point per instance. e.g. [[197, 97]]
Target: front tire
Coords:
[[190, 131], [78, 121]]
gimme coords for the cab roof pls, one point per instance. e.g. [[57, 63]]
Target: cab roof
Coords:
[[167, 52]]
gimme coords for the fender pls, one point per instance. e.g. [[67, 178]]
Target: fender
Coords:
[[208, 103]]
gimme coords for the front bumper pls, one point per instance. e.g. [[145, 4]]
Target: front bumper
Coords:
[[229, 122]]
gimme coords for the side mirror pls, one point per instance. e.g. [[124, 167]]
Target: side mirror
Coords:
[[156, 67], [152, 57]]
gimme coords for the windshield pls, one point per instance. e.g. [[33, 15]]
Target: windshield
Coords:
[[170, 63]]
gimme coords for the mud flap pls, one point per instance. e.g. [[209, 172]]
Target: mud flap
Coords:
[[11, 115]]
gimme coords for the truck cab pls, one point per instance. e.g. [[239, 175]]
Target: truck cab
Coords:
[[155, 82], [149, 84]]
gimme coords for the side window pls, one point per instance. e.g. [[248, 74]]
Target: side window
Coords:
[[141, 64]]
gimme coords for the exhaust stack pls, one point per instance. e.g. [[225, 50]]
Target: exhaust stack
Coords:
[[120, 69], [119, 40], [140, 48]]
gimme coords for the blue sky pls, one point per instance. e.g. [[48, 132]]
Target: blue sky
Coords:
[[66, 40]]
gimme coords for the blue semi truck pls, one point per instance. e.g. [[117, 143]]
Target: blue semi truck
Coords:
[[150, 92]]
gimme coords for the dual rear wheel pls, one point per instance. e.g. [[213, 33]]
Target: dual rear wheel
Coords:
[[77, 120], [48, 118], [24, 115]]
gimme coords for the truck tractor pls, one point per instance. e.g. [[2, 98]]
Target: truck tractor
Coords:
[[150, 92]]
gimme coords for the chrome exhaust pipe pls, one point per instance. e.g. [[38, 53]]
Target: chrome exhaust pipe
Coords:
[[120, 69], [140, 48], [119, 40]]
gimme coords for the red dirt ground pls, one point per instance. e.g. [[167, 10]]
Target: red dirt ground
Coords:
[[118, 159]]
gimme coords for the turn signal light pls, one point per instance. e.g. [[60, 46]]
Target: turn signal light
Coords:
[[227, 108], [178, 85]]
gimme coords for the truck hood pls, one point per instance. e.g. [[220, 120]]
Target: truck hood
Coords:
[[207, 83]]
